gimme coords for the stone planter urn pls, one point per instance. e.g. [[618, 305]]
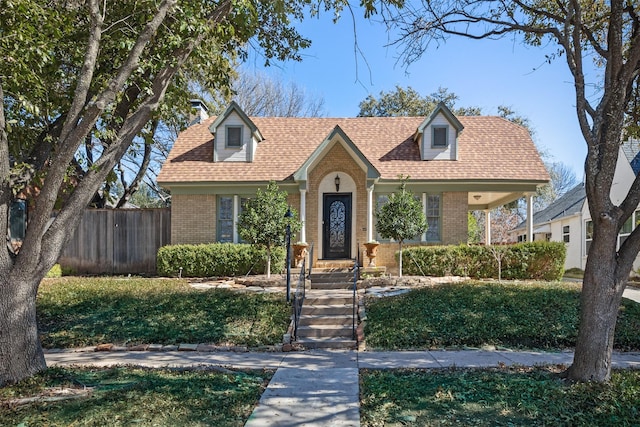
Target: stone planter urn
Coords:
[[372, 252], [299, 252]]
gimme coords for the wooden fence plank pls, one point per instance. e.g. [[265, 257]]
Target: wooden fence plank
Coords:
[[118, 241]]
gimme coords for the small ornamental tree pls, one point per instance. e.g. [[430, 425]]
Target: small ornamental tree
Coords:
[[401, 218], [263, 222]]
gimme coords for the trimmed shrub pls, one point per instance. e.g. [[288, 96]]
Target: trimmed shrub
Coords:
[[524, 261], [216, 259], [56, 271]]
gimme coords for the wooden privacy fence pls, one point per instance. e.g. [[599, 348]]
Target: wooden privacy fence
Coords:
[[118, 241]]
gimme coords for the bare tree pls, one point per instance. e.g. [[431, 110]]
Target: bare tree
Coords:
[[603, 33], [260, 95]]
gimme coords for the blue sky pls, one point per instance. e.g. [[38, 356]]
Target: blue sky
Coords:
[[485, 73]]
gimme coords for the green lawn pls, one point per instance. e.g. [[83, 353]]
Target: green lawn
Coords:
[[475, 314], [496, 397], [126, 396], [76, 312]]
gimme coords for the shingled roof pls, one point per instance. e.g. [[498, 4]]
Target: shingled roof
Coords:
[[489, 149]]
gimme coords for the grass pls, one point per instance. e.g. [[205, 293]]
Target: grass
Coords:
[[77, 312], [499, 397], [125, 396], [475, 314]]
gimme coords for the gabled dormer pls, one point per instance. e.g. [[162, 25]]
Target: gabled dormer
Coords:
[[437, 136], [235, 136]]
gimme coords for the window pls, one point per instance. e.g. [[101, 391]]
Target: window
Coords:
[[565, 234], [381, 200], [17, 223], [588, 235], [234, 136], [229, 209], [626, 229], [522, 238], [433, 213], [225, 219], [439, 136]]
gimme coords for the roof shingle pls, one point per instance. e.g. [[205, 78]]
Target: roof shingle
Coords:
[[489, 149]]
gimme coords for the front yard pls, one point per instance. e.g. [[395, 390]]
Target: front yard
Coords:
[[78, 312], [476, 314], [127, 396]]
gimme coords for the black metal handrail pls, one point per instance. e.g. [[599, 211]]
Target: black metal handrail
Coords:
[[356, 269], [310, 260], [298, 298]]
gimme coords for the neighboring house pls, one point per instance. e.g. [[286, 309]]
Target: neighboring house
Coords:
[[568, 219], [337, 170]]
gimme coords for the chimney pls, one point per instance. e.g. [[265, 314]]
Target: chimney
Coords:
[[199, 112]]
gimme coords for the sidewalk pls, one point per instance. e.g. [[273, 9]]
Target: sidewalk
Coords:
[[320, 388]]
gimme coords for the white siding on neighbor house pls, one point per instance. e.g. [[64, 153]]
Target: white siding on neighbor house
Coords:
[[575, 245], [242, 154], [622, 179], [439, 153]]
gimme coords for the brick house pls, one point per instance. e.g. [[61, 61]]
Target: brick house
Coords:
[[344, 167]]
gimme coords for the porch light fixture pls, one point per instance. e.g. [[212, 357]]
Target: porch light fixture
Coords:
[[337, 181], [477, 197]]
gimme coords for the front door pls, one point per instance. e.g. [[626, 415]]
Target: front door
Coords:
[[336, 228]]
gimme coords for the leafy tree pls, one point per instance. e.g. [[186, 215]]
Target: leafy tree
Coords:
[[262, 221], [75, 71], [146, 197], [408, 102], [401, 218], [601, 34], [473, 231]]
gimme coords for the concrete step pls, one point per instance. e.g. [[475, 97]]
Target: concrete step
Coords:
[[327, 310], [317, 320], [314, 343], [347, 278], [328, 297], [325, 331], [331, 286], [333, 265]]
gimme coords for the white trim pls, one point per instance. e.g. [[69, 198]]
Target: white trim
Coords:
[[369, 213], [487, 227], [529, 217], [303, 215]]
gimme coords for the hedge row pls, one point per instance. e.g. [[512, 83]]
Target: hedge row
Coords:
[[535, 261], [217, 259]]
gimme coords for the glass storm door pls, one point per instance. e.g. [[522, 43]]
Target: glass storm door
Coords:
[[336, 229]]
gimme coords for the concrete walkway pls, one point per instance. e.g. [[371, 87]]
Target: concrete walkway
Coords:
[[320, 388]]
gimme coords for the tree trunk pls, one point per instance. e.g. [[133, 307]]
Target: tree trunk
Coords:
[[268, 262], [400, 260], [20, 350], [600, 299]]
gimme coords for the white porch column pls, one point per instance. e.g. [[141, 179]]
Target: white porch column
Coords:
[[529, 217], [487, 227], [303, 215], [370, 213]]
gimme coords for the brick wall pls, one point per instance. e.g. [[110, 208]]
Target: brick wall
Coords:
[[455, 218], [454, 231], [336, 160], [193, 218]]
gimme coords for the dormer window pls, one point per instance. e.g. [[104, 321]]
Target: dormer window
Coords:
[[439, 137], [234, 136]]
